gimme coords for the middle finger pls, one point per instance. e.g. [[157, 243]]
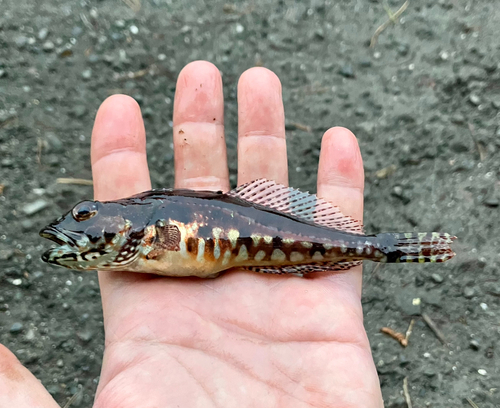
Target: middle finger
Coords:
[[261, 128], [199, 144]]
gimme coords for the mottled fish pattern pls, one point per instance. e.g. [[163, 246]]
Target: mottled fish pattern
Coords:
[[260, 226]]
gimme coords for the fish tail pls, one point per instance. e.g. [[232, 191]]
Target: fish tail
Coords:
[[415, 247]]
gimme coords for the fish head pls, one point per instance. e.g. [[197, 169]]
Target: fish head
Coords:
[[95, 235]]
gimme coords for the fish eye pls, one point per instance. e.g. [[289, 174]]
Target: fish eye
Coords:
[[84, 210]]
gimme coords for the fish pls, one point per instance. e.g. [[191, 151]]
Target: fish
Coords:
[[260, 226]]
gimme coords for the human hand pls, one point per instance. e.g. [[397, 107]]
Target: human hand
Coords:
[[243, 339]]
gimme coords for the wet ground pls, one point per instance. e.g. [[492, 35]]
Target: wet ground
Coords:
[[424, 103]]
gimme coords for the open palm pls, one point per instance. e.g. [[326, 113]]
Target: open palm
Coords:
[[243, 339]]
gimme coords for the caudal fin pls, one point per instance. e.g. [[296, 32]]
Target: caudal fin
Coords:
[[416, 247]]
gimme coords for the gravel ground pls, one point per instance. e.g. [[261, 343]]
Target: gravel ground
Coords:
[[424, 103]]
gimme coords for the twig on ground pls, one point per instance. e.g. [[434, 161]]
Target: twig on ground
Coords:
[[300, 126], [134, 5], [393, 17], [479, 146], [73, 398], [406, 392], [472, 403], [403, 339], [83, 182], [86, 22], [12, 120], [409, 331], [386, 171], [439, 334], [375, 270], [394, 334], [39, 148]]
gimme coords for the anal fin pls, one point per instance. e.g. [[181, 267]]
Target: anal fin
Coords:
[[304, 269]]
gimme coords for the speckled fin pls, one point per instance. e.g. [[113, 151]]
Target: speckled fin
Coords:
[[300, 204], [303, 269]]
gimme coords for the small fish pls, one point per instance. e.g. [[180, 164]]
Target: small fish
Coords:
[[260, 226]]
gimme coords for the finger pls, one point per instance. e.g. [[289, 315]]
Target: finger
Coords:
[[340, 172], [18, 387], [118, 150], [261, 128], [199, 144], [341, 181], [119, 163]]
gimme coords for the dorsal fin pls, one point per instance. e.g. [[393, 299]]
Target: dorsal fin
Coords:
[[303, 205]]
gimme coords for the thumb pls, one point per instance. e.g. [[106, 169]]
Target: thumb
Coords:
[[18, 387]]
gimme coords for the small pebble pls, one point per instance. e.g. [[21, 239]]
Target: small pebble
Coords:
[[134, 29], [42, 34], [474, 99], [79, 111], [87, 74], [21, 41], [347, 71], [76, 31], [54, 143], [484, 306], [39, 191], [403, 49], [2, 73], [491, 202], [319, 34], [54, 389], [436, 277], [398, 190], [30, 335], [85, 335], [469, 292], [7, 162], [493, 288], [27, 224], [482, 371], [474, 345], [6, 254], [429, 372], [16, 327], [48, 46], [419, 280], [365, 63], [35, 206]]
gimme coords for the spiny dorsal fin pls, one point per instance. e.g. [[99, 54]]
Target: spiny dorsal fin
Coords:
[[308, 207]]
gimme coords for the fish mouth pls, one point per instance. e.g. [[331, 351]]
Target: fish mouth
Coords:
[[57, 236], [67, 245]]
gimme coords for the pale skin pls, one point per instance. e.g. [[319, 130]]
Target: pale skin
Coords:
[[243, 339]]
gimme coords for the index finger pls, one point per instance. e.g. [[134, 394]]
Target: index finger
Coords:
[[119, 163], [118, 150]]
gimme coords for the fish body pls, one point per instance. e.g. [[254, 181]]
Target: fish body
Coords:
[[261, 226]]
